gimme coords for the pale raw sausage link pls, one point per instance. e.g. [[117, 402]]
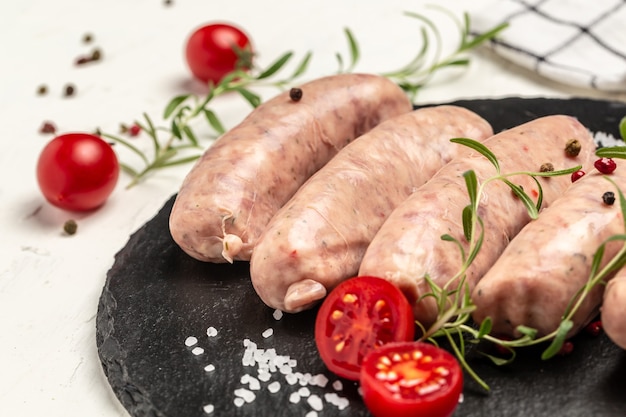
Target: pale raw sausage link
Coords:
[[318, 238], [239, 183], [550, 260], [409, 246], [614, 309]]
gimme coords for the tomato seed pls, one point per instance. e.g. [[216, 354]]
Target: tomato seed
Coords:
[[350, 298], [605, 165]]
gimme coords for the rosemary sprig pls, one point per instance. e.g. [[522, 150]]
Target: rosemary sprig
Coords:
[[453, 298], [178, 143]]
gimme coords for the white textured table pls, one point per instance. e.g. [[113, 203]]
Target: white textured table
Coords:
[[50, 283]]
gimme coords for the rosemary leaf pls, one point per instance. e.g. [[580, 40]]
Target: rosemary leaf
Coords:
[[489, 35], [471, 183], [622, 128], [275, 67], [302, 67], [480, 148], [190, 135], [485, 328], [354, 50], [175, 129], [250, 97], [618, 152], [559, 339], [533, 212], [214, 121], [173, 105], [180, 161], [128, 145], [468, 225]]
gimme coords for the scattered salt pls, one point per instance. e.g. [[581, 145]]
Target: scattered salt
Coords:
[[274, 387], [304, 392], [606, 139], [264, 375], [211, 331], [197, 350], [254, 384], [239, 401], [337, 385], [315, 402], [209, 368], [267, 333], [209, 408], [278, 314], [190, 341], [311, 414]]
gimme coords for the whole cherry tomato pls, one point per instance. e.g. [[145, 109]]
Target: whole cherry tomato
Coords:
[[217, 49], [77, 171], [411, 379], [359, 315]]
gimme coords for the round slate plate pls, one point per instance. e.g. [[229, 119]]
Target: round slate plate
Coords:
[[155, 297]]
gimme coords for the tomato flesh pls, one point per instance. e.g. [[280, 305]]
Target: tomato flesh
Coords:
[[359, 315], [77, 171], [214, 50], [411, 379]]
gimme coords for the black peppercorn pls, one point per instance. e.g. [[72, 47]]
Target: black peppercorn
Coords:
[[608, 198], [295, 94]]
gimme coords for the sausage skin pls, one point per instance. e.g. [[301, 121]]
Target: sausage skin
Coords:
[[233, 190], [409, 246], [318, 238], [613, 310], [545, 265]]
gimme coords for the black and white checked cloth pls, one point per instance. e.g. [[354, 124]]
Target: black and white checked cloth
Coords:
[[576, 42]]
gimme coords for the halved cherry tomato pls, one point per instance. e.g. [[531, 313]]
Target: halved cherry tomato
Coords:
[[411, 379], [358, 316], [214, 50]]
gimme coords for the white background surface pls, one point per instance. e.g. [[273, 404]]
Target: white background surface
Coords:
[[50, 283]]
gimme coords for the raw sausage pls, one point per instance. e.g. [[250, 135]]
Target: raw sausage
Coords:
[[409, 245], [550, 260], [318, 238], [239, 183], [614, 309]]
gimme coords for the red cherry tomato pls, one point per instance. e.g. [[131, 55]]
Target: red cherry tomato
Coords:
[[411, 379], [77, 171], [359, 315], [215, 50]]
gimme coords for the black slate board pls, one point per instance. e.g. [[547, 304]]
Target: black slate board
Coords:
[[155, 296]]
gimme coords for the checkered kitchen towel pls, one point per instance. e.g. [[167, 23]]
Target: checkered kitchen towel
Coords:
[[576, 42]]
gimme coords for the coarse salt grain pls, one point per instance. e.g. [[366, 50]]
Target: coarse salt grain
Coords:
[[320, 380], [274, 387], [246, 395], [294, 398], [337, 385], [311, 414], [340, 402], [209, 368], [211, 331], [197, 350], [239, 401], [209, 408], [291, 379], [267, 333], [315, 402], [278, 314], [190, 341], [304, 392]]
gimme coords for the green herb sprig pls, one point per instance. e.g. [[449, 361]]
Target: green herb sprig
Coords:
[[453, 299], [178, 142]]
